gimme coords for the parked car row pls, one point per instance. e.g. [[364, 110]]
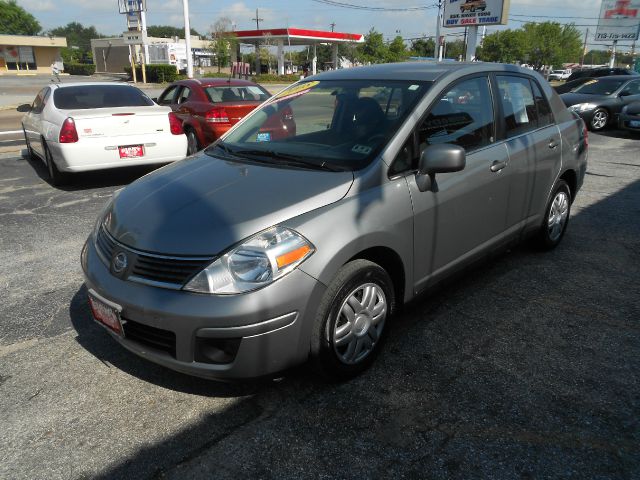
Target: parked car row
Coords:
[[78, 127]]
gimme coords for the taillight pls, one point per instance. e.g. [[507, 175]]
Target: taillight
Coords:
[[175, 124], [217, 115], [68, 132]]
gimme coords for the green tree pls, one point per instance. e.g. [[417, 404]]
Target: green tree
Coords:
[[455, 49], [423, 47], [167, 31], [373, 50], [550, 43], [223, 42], [15, 20], [397, 51], [78, 41], [506, 46]]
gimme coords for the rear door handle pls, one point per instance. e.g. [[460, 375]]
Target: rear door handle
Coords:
[[553, 143], [497, 165]]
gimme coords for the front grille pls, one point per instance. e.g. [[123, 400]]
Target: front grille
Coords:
[[159, 270], [153, 337]]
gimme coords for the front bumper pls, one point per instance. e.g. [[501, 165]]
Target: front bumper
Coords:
[[219, 337]]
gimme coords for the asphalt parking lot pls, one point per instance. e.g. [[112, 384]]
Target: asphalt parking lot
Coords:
[[525, 368]]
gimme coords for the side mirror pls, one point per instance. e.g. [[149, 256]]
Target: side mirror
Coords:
[[439, 158], [155, 99], [24, 108]]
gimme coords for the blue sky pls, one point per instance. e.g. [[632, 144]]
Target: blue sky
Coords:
[[103, 14]]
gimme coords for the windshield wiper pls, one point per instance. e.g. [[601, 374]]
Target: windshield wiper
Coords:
[[287, 159]]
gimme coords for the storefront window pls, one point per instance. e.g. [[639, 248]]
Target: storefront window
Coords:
[[17, 58]]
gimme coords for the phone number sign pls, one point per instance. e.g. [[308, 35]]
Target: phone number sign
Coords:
[[464, 13], [619, 20]]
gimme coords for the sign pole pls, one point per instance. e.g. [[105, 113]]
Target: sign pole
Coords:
[[133, 65], [612, 62], [584, 47], [436, 52], [472, 42], [187, 38]]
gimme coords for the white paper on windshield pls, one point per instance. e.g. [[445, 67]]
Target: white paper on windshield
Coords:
[[255, 90]]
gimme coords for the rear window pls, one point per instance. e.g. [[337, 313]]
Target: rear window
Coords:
[[600, 86], [231, 93], [99, 96]]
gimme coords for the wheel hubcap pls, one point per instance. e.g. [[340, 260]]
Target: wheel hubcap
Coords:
[[359, 324], [558, 214], [600, 119]]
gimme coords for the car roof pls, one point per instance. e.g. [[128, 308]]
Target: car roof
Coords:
[[617, 77], [89, 84], [416, 71]]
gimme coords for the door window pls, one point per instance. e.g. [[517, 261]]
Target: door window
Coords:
[[518, 106], [40, 101], [632, 88], [184, 95], [167, 96], [545, 116]]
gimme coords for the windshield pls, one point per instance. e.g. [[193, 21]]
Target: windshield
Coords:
[[83, 97], [330, 124], [232, 93], [599, 86]]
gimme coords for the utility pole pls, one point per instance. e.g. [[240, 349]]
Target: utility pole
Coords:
[[332, 25], [612, 62], [437, 54], [187, 38], [584, 47], [258, 20]]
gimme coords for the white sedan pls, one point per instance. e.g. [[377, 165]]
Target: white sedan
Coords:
[[76, 127]]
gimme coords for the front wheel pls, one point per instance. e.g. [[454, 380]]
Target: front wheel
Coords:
[[350, 324], [556, 217], [599, 120]]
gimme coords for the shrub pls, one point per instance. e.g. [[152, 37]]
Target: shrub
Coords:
[[79, 68], [155, 73]]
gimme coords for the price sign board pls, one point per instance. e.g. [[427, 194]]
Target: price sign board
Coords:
[[619, 20], [465, 13], [135, 38]]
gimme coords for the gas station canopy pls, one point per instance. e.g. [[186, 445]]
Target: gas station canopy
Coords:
[[297, 37]]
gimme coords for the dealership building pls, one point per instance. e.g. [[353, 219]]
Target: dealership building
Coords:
[[24, 54]]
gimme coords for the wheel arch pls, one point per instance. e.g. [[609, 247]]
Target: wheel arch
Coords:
[[571, 178], [391, 262]]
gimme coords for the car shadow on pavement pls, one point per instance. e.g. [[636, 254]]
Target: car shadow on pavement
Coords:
[[524, 368], [113, 177], [617, 133]]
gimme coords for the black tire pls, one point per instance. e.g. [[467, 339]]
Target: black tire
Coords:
[[192, 142], [599, 120], [329, 358], [550, 233], [56, 177], [30, 155]]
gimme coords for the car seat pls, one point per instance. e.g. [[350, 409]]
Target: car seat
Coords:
[[368, 118]]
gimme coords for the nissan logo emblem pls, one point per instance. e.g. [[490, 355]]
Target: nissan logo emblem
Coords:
[[119, 262]]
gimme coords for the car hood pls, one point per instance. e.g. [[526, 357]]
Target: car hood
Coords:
[[575, 98], [203, 205]]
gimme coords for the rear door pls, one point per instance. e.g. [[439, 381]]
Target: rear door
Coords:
[[167, 98], [181, 106], [534, 145]]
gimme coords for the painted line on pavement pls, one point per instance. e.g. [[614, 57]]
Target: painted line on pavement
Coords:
[[12, 132]]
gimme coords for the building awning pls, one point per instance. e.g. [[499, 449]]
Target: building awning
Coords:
[[32, 41]]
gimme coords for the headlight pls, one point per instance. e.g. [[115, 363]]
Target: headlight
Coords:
[[259, 261], [582, 107], [103, 212]]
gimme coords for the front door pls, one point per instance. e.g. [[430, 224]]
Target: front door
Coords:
[[466, 212]]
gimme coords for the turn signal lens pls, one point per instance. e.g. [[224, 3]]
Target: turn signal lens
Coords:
[[175, 124], [293, 256], [68, 132], [217, 115]]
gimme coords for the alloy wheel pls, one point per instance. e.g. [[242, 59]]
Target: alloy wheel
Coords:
[[558, 214]]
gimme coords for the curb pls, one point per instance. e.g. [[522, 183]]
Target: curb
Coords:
[[8, 107]]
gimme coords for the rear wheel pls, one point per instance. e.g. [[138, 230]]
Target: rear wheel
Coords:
[[599, 120], [56, 177], [556, 217], [350, 324], [192, 142]]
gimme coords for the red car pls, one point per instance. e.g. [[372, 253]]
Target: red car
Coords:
[[210, 107]]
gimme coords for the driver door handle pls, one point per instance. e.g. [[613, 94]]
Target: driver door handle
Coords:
[[498, 165], [553, 143]]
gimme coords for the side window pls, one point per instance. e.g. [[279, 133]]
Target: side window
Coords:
[[545, 117], [184, 95], [463, 116], [167, 96], [633, 88], [38, 104], [519, 109]]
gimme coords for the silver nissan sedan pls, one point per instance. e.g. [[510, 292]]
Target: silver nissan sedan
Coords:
[[299, 234]]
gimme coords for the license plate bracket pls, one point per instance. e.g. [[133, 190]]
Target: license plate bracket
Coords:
[[106, 313], [131, 151]]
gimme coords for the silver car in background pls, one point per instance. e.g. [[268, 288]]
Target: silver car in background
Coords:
[[276, 245]]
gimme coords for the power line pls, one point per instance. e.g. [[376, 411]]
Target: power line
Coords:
[[552, 16], [352, 6]]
